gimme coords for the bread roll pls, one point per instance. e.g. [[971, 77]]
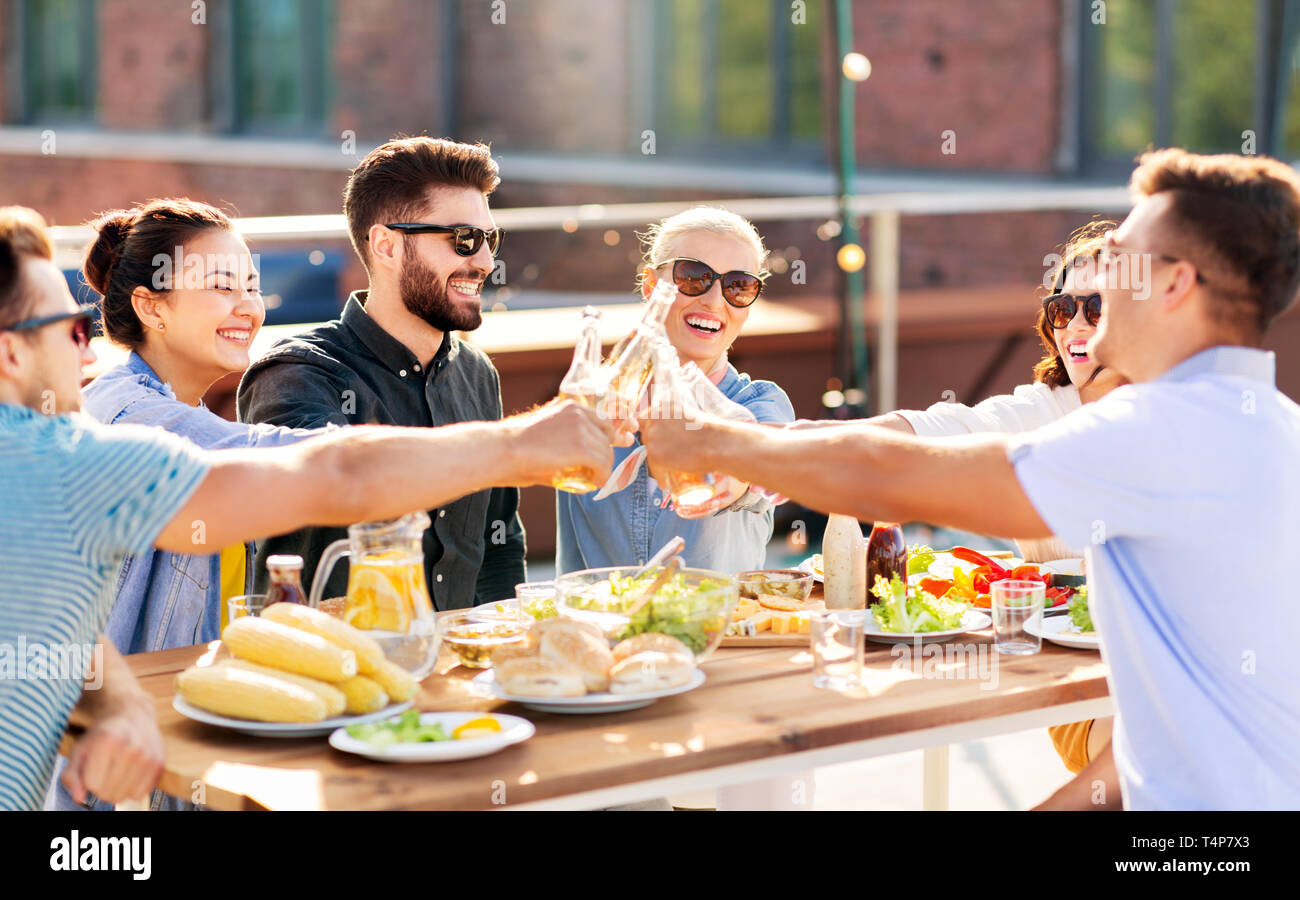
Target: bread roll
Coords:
[[651, 640], [538, 629], [590, 654], [511, 651], [650, 671], [537, 676]]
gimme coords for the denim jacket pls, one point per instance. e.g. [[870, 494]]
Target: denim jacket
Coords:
[[164, 599], [170, 599], [626, 528]]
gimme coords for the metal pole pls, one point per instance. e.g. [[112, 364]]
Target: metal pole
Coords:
[[884, 287], [848, 227]]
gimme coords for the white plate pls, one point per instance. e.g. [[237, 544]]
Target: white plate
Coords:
[[603, 702], [282, 729], [1072, 566], [944, 562], [514, 730], [971, 620], [1060, 630]]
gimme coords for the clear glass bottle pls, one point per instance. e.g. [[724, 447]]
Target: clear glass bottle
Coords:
[[633, 359], [692, 492], [585, 383]]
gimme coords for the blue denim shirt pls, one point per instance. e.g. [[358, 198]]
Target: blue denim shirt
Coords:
[[169, 599], [628, 527], [164, 599]]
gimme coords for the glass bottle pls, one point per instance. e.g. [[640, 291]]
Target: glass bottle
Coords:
[[286, 580], [633, 359], [585, 383], [692, 492], [886, 556]]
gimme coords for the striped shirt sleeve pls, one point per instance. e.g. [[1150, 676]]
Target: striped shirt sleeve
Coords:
[[122, 484]]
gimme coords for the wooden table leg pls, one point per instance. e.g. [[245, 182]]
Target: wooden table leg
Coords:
[[934, 777]]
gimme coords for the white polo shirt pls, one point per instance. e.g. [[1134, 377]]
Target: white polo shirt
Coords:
[[1186, 490]]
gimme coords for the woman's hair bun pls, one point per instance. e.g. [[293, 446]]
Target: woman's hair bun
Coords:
[[113, 228]]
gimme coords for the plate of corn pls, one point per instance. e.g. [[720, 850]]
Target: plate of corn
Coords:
[[284, 729], [294, 671]]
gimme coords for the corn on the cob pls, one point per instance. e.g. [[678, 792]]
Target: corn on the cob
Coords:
[[331, 694], [399, 684], [336, 631], [363, 695], [282, 647], [244, 694]]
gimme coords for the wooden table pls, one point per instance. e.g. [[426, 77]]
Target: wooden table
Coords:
[[758, 715]]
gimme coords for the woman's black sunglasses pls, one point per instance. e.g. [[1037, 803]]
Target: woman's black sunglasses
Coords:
[[694, 278], [466, 238], [81, 324], [1060, 309]]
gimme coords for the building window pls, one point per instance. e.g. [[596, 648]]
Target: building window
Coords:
[[1207, 76], [280, 65], [59, 81], [733, 74]]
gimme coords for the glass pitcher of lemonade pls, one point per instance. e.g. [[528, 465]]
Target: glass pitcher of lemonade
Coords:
[[388, 596]]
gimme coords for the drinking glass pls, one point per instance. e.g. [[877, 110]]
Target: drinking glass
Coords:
[[245, 605], [535, 597], [1016, 604], [837, 648]]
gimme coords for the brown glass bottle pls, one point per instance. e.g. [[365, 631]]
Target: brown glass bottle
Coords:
[[286, 580], [886, 556]]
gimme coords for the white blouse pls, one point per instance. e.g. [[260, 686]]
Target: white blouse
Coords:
[[1028, 407]]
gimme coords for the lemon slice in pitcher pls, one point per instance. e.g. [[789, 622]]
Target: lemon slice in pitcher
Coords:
[[374, 602]]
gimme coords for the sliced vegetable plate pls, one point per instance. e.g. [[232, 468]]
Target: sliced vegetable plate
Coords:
[[1060, 630], [971, 620], [482, 734], [283, 729], [602, 702]]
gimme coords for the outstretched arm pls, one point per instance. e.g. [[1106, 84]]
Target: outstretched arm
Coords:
[[370, 473], [865, 471]]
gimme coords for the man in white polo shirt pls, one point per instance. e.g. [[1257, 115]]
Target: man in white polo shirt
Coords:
[[1185, 486]]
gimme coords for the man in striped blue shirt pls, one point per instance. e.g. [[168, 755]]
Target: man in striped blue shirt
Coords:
[[79, 496]]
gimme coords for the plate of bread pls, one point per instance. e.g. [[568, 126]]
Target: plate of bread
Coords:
[[567, 666]]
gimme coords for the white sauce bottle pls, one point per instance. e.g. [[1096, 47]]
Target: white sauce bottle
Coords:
[[844, 563]]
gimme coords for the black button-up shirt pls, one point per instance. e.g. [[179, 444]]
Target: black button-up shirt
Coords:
[[352, 372]]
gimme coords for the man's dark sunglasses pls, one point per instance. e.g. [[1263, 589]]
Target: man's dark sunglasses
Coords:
[[466, 238], [694, 278], [81, 324], [1060, 309]]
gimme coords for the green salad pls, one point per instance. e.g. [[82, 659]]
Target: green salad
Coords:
[[919, 559], [404, 729], [1079, 613], [906, 609], [676, 609]]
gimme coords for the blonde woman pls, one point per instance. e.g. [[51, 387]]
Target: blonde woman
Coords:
[[717, 261]]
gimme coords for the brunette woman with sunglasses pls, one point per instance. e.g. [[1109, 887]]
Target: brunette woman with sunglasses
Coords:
[[1064, 379]]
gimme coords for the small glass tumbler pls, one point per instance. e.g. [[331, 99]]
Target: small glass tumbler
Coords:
[[245, 605], [1017, 616], [837, 649]]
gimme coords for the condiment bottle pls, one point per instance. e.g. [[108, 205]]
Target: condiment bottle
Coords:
[[286, 580], [886, 556], [844, 563]]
